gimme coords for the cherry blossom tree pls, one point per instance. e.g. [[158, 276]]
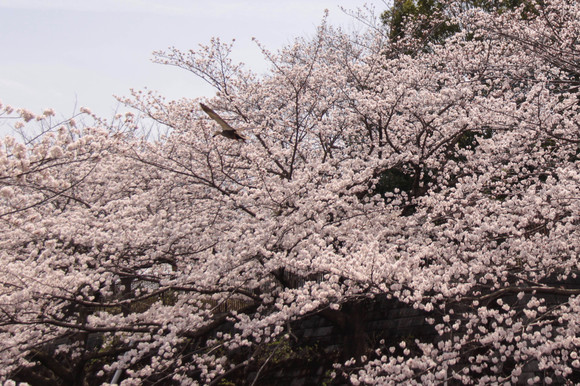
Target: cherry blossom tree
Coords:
[[445, 179]]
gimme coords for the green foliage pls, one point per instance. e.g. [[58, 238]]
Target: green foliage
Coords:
[[427, 15], [281, 351], [392, 180], [328, 378], [432, 19]]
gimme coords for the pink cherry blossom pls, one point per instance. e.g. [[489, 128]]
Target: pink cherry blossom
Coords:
[[442, 177]]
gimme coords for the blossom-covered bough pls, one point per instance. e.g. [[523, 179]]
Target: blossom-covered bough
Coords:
[[444, 177]]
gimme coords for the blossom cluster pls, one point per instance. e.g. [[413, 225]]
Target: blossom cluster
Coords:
[[445, 178]]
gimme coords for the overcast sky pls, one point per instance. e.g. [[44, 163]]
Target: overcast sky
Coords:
[[67, 53]]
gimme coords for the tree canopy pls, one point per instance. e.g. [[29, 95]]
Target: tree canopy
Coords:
[[447, 180], [427, 21]]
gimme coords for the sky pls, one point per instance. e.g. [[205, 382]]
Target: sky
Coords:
[[64, 54]]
